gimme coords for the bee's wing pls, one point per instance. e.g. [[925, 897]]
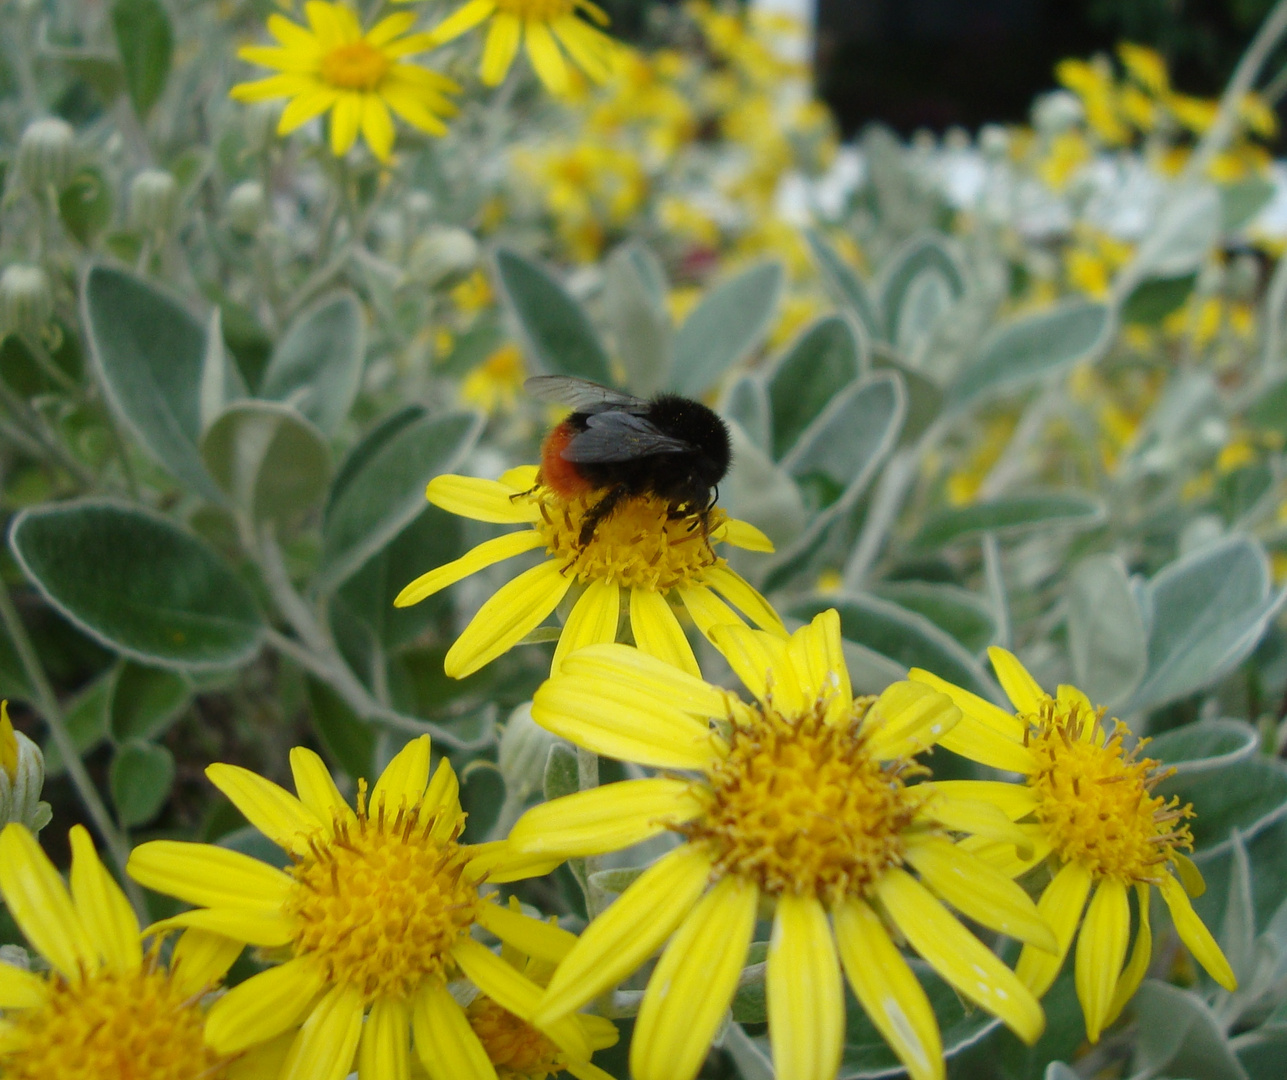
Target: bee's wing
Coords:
[[580, 394], [620, 436]]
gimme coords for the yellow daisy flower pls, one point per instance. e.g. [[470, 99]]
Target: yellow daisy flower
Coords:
[[332, 66], [546, 25], [799, 803], [371, 920], [1089, 807], [638, 547], [105, 1010]]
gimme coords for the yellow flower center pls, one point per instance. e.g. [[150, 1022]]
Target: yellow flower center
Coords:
[[540, 10], [801, 806], [110, 1026], [355, 66], [1096, 801], [518, 1050], [638, 545], [381, 902]]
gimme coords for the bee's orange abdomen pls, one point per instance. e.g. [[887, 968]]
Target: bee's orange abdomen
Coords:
[[557, 473]]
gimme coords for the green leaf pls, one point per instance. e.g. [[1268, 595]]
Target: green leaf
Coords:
[[842, 283], [910, 262], [855, 431], [149, 352], [1178, 1035], [145, 701], [726, 327], [1248, 795], [138, 583], [1205, 612], [902, 635], [747, 404], [761, 492], [1106, 638], [924, 395], [634, 298], [561, 775], [317, 365], [1030, 348], [385, 492], [555, 329], [1153, 300], [85, 204], [958, 612], [821, 362], [271, 462], [145, 42], [1243, 200], [1183, 234], [1269, 409], [1205, 746], [140, 779], [1010, 516], [482, 792], [347, 740], [86, 717]]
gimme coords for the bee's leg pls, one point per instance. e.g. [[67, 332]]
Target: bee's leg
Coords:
[[599, 511]]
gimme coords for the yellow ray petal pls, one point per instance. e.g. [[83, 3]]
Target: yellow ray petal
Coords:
[[978, 819], [740, 593], [386, 1041], [1061, 906], [989, 715], [607, 818], [1072, 702], [538, 939], [442, 798], [1101, 951], [620, 665], [519, 479], [463, 19], [582, 45], [907, 719], [481, 500], [628, 932], [546, 58], [275, 86], [888, 990], [316, 787], [1196, 937], [306, 106], [592, 621], [805, 994], [377, 126], [657, 631], [200, 959], [978, 891], [41, 906], [972, 740], [103, 909], [324, 1047], [21, 989], [707, 609], [272, 56], [290, 34], [271, 809], [498, 861], [418, 113], [1014, 800], [1003, 855], [762, 662], [209, 876], [743, 534], [445, 1043], [1188, 873], [402, 784], [390, 27], [346, 117], [1020, 687], [1137, 967], [818, 659], [693, 984], [958, 956], [263, 1006], [500, 48], [516, 609], [266, 928]]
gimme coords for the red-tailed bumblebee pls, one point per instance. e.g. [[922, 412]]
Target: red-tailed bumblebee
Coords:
[[671, 447]]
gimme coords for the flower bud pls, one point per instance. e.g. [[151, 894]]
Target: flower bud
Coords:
[[46, 155], [524, 747], [247, 207], [154, 197], [26, 299], [22, 777], [443, 256]]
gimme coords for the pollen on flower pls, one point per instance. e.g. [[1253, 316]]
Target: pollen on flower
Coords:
[[1096, 801], [638, 545], [380, 902], [518, 1050], [801, 806], [137, 1025], [354, 66]]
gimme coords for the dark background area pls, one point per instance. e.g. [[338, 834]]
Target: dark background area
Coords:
[[935, 63]]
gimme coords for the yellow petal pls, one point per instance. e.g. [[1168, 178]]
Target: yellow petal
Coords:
[[1141, 954], [402, 784], [103, 909], [979, 743], [958, 956], [1188, 873], [324, 1047], [1020, 687], [275, 86], [481, 500], [592, 621], [517, 608], [263, 1006], [739, 592], [316, 787], [442, 802], [384, 1052], [818, 659], [607, 818], [498, 862], [979, 819], [1101, 951], [805, 994], [907, 719], [209, 876], [345, 119], [445, 1043], [377, 126], [707, 609], [657, 631], [500, 48], [1196, 937], [979, 892], [21, 989], [200, 959], [1003, 855], [693, 984], [266, 928], [888, 990], [271, 809], [463, 19], [546, 58], [628, 932], [648, 676], [290, 34], [1014, 800], [305, 106], [40, 905], [763, 663], [1061, 906], [744, 535], [534, 937], [987, 714], [485, 554], [390, 27]]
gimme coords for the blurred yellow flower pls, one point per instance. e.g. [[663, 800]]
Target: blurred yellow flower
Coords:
[[1146, 67], [333, 66], [494, 385]]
